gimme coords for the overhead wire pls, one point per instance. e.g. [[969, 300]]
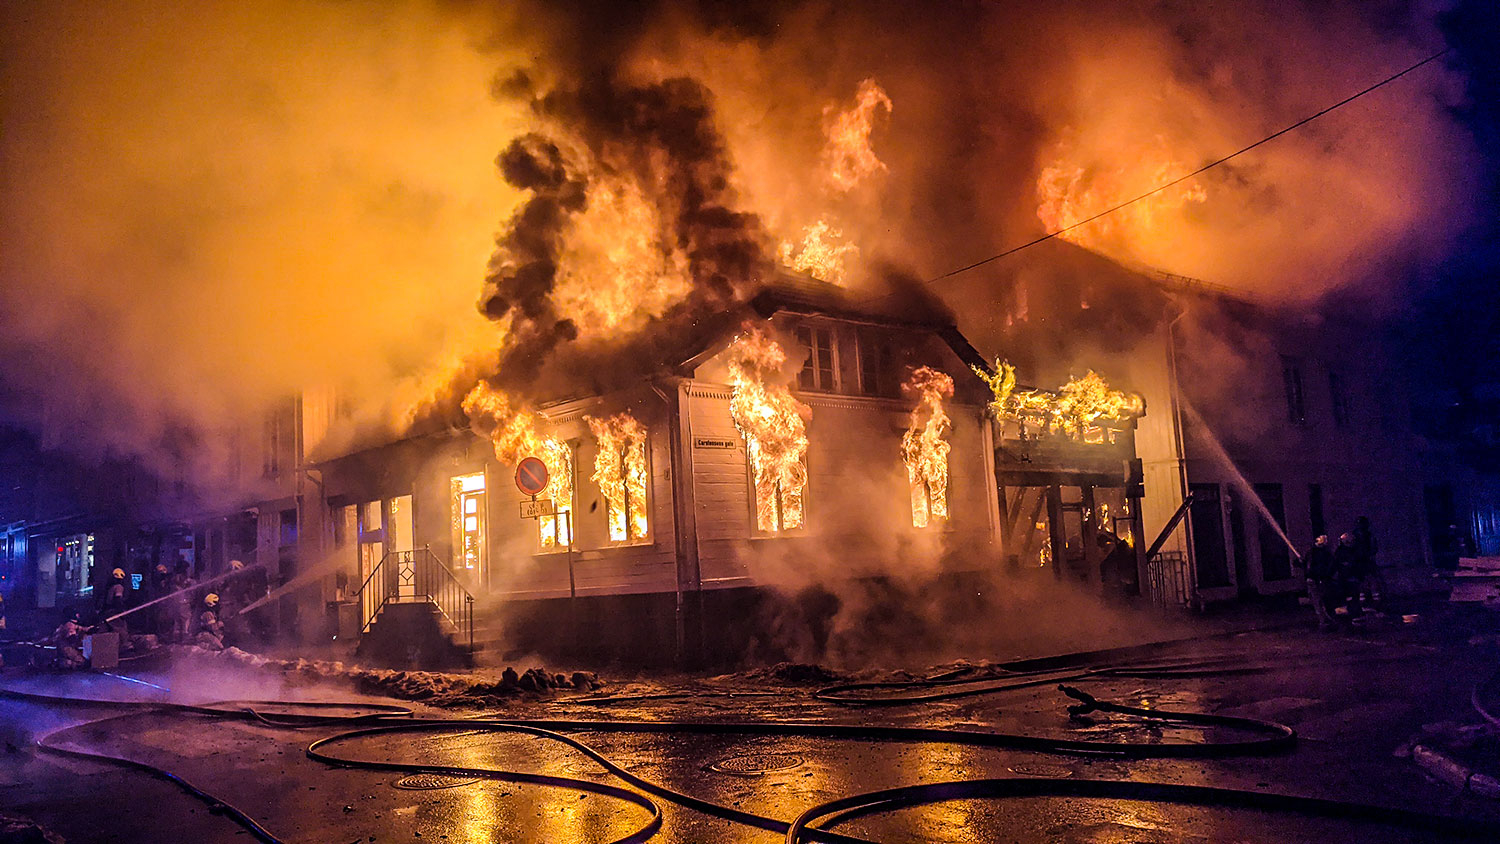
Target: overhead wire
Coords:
[[1178, 180]]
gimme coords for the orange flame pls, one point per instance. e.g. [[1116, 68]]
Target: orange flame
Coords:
[[1068, 193], [925, 445], [821, 255], [513, 433], [774, 425], [1078, 409], [620, 472], [617, 270], [849, 156]]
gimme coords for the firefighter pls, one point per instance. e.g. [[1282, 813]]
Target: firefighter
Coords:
[[1345, 575], [209, 629], [115, 602], [1367, 570], [180, 605], [68, 637], [1319, 567], [161, 585]]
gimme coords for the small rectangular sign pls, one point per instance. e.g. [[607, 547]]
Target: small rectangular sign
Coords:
[[714, 442], [537, 508]]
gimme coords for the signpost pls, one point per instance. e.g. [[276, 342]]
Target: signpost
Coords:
[[532, 479]]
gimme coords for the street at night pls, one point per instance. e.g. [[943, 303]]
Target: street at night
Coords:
[[1358, 704]]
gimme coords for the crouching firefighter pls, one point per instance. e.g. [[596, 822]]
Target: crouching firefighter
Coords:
[[210, 630]]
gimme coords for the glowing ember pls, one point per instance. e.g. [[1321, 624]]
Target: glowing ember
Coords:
[[849, 156], [774, 425], [1079, 409], [620, 472], [513, 434], [925, 446], [821, 255]]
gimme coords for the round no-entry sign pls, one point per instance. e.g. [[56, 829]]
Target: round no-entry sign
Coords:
[[531, 475]]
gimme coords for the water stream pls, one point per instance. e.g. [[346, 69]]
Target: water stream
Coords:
[[1236, 476]]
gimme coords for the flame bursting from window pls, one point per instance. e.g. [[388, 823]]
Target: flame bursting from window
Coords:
[[925, 446], [821, 254], [774, 425], [1080, 409], [1068, 193], [513, 433], [620, 472]]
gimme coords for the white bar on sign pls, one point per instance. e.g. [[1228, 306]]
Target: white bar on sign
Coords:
[[535, 509]]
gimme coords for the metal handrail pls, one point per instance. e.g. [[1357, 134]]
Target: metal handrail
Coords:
[[447, 593]]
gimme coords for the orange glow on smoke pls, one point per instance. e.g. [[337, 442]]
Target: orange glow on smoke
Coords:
[[774, 425], [620, 472], [1068, 192], [925, 445]]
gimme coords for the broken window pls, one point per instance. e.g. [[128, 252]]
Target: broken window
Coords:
[[621, 473], [818, 370], [556, 530], [467, 507], [924, 446]]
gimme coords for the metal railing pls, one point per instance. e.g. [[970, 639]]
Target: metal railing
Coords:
[[1169, 580], [413, 577]]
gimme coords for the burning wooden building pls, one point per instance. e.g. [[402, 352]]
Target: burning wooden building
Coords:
[[804, 436]]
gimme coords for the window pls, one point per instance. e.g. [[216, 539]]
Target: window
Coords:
[[875, 365], [271, 446], [1209, 553], [818, 372], [1340, 399], [555, 532], [467, 507], [1291, 379], [1275, 556], [288, 532], [779, 487], [621, 473]]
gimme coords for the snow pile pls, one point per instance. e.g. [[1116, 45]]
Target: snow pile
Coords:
[[434, 687]]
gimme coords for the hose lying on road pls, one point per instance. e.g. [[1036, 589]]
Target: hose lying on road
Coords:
[[383, 720]]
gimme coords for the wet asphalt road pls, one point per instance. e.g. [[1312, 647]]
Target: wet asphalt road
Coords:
[[1353, 698]]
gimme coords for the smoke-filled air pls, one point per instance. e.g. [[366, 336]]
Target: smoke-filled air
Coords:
[[443, 210]]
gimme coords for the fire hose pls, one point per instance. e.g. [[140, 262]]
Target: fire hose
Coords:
[[393, 720]]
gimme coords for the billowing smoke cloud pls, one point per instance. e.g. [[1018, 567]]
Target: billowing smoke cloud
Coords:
[[207, 206]]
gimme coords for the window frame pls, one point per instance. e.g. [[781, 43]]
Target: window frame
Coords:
[[811, 364], [572, 507], [756, 531], [648, 537]]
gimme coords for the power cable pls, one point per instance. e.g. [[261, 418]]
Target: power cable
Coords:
[[1180, 179]]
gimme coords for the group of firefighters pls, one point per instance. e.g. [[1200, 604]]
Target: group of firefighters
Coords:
[[176, 610], [1343, 580]]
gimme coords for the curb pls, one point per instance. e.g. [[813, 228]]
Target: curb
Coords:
[[1449, 770]]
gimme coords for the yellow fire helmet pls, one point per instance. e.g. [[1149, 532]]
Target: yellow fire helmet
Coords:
[[212, 599], [235, 565], [118, 574]]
